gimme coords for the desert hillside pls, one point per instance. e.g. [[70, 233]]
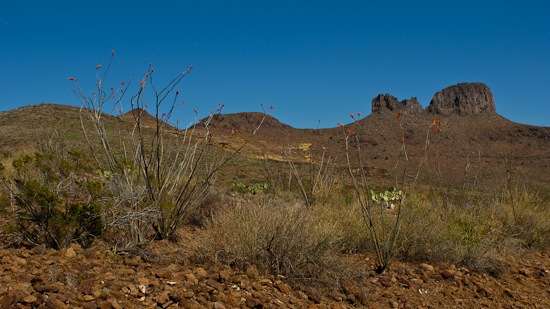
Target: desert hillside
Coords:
[[442, 207]]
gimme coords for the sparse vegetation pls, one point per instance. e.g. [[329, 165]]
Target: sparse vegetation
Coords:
[[56, 200], [158, 173], [278, 237], [253, 189], [138, 181], [318, 182]]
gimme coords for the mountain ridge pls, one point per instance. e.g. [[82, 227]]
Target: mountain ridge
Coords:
[[452, 126]]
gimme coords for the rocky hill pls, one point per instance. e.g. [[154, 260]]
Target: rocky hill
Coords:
[[463, 99], [460, 119], [465, 113], [391, 103]]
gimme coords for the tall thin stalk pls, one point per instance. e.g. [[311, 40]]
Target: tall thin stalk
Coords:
[[169, 171]]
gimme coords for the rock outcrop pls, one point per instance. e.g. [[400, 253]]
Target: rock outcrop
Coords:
[[389, 102], [464, 99]]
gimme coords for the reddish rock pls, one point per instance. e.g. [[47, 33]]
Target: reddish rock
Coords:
[[7, 300], [427, 267], [224, 275], [136, 261], [525, 272], [265, 282], [284, 288], [253, 302], [192, 279], [385, 281], [218, 305], [190, 303], [104, 305], [447, 274], [54, 302], [39, 250], [252, 272], [200, 273], [162, 298], [70, 253], [86, 287], [51, 287]]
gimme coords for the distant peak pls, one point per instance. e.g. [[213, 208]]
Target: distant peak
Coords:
[[388, 102], [463, 99]]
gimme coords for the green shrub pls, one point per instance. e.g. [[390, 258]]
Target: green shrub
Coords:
[[57, 202], [252, 190], [4, 202]]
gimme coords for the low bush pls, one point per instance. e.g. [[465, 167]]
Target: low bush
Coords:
[[421, 237], [56, 200], [342, 212], [527, 218], [476, 235], [277, 236]]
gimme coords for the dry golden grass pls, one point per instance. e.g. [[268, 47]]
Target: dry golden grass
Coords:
[[280, 237]]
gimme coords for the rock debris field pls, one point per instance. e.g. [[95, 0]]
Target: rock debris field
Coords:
[[97, 278]]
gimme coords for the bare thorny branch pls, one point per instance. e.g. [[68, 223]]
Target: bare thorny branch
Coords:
[[175, 167], [384, 243]]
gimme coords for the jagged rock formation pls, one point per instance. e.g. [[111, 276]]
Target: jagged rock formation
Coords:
[[463, 99], [387, 101]]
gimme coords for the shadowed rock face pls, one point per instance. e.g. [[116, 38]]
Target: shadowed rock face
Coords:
[[463, 99], [387, 101]]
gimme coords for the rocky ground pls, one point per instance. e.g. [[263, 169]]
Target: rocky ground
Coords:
[[97, 278]]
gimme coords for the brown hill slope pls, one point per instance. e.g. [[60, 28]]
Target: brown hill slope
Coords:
[[477, 138], [22, 128], [463, 136], [27, 127]]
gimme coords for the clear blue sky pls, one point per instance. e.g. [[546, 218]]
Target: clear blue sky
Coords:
[[310, 59]]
